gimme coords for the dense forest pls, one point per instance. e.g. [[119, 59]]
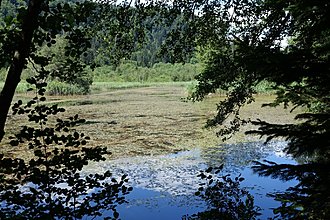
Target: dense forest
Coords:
[[225, 45]]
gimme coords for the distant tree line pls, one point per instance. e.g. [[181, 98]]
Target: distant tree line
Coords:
[[119, 39]]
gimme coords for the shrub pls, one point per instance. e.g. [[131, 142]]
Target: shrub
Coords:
[[61, 88], [264, 87]]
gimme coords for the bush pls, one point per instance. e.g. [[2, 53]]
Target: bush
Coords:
[[191, 88], [264, 87], [61, 88]]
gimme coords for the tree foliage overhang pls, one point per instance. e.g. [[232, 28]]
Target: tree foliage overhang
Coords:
[[116, 27], [283, 42], [246, 42]]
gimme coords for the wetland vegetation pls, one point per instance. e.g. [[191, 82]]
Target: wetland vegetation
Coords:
[[150, 120]]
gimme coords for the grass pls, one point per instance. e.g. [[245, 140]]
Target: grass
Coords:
[[98, 87]]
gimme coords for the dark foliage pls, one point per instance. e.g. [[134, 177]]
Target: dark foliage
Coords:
[[285, 43], [36, 24], [94, 33], [49, 184], [254, 49], [309, 199]]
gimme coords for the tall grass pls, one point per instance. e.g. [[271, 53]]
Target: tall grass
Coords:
[[264, 88], [59, 88], [98, 87], [129, 75], [108, 86]]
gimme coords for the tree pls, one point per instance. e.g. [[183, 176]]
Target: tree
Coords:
[[34, 25], [252, 50], [285, 43], [19, 55], [61, 66], [49, 184], [89, 27]]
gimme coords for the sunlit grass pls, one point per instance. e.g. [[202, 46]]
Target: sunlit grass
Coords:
[[98, 87]]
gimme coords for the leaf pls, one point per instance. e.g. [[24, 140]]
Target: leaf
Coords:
[[31, 80], [14, 143], [208, 170], [116, 215], [76, 135]]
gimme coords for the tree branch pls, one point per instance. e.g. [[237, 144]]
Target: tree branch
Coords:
[[30, 24]]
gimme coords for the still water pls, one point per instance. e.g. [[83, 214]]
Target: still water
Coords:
[[164, 186]]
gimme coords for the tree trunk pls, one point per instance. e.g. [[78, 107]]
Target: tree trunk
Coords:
[[30, 24]]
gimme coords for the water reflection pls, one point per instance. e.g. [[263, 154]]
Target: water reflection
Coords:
[[164, 186], [261, 186], [236, 157], [150, 204]]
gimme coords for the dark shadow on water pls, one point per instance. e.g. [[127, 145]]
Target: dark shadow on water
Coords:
[[164, 186], [309, 198]]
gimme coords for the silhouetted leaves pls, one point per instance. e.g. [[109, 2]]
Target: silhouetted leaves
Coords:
[[284, 43], [48, 184], [287, 44], [309, 199]]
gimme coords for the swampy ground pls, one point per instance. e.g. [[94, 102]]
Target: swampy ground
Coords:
[[151, 120]]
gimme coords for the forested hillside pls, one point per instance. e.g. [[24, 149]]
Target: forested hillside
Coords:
[[131, 48]]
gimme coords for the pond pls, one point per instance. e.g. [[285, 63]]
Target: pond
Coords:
[[164, 186]]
